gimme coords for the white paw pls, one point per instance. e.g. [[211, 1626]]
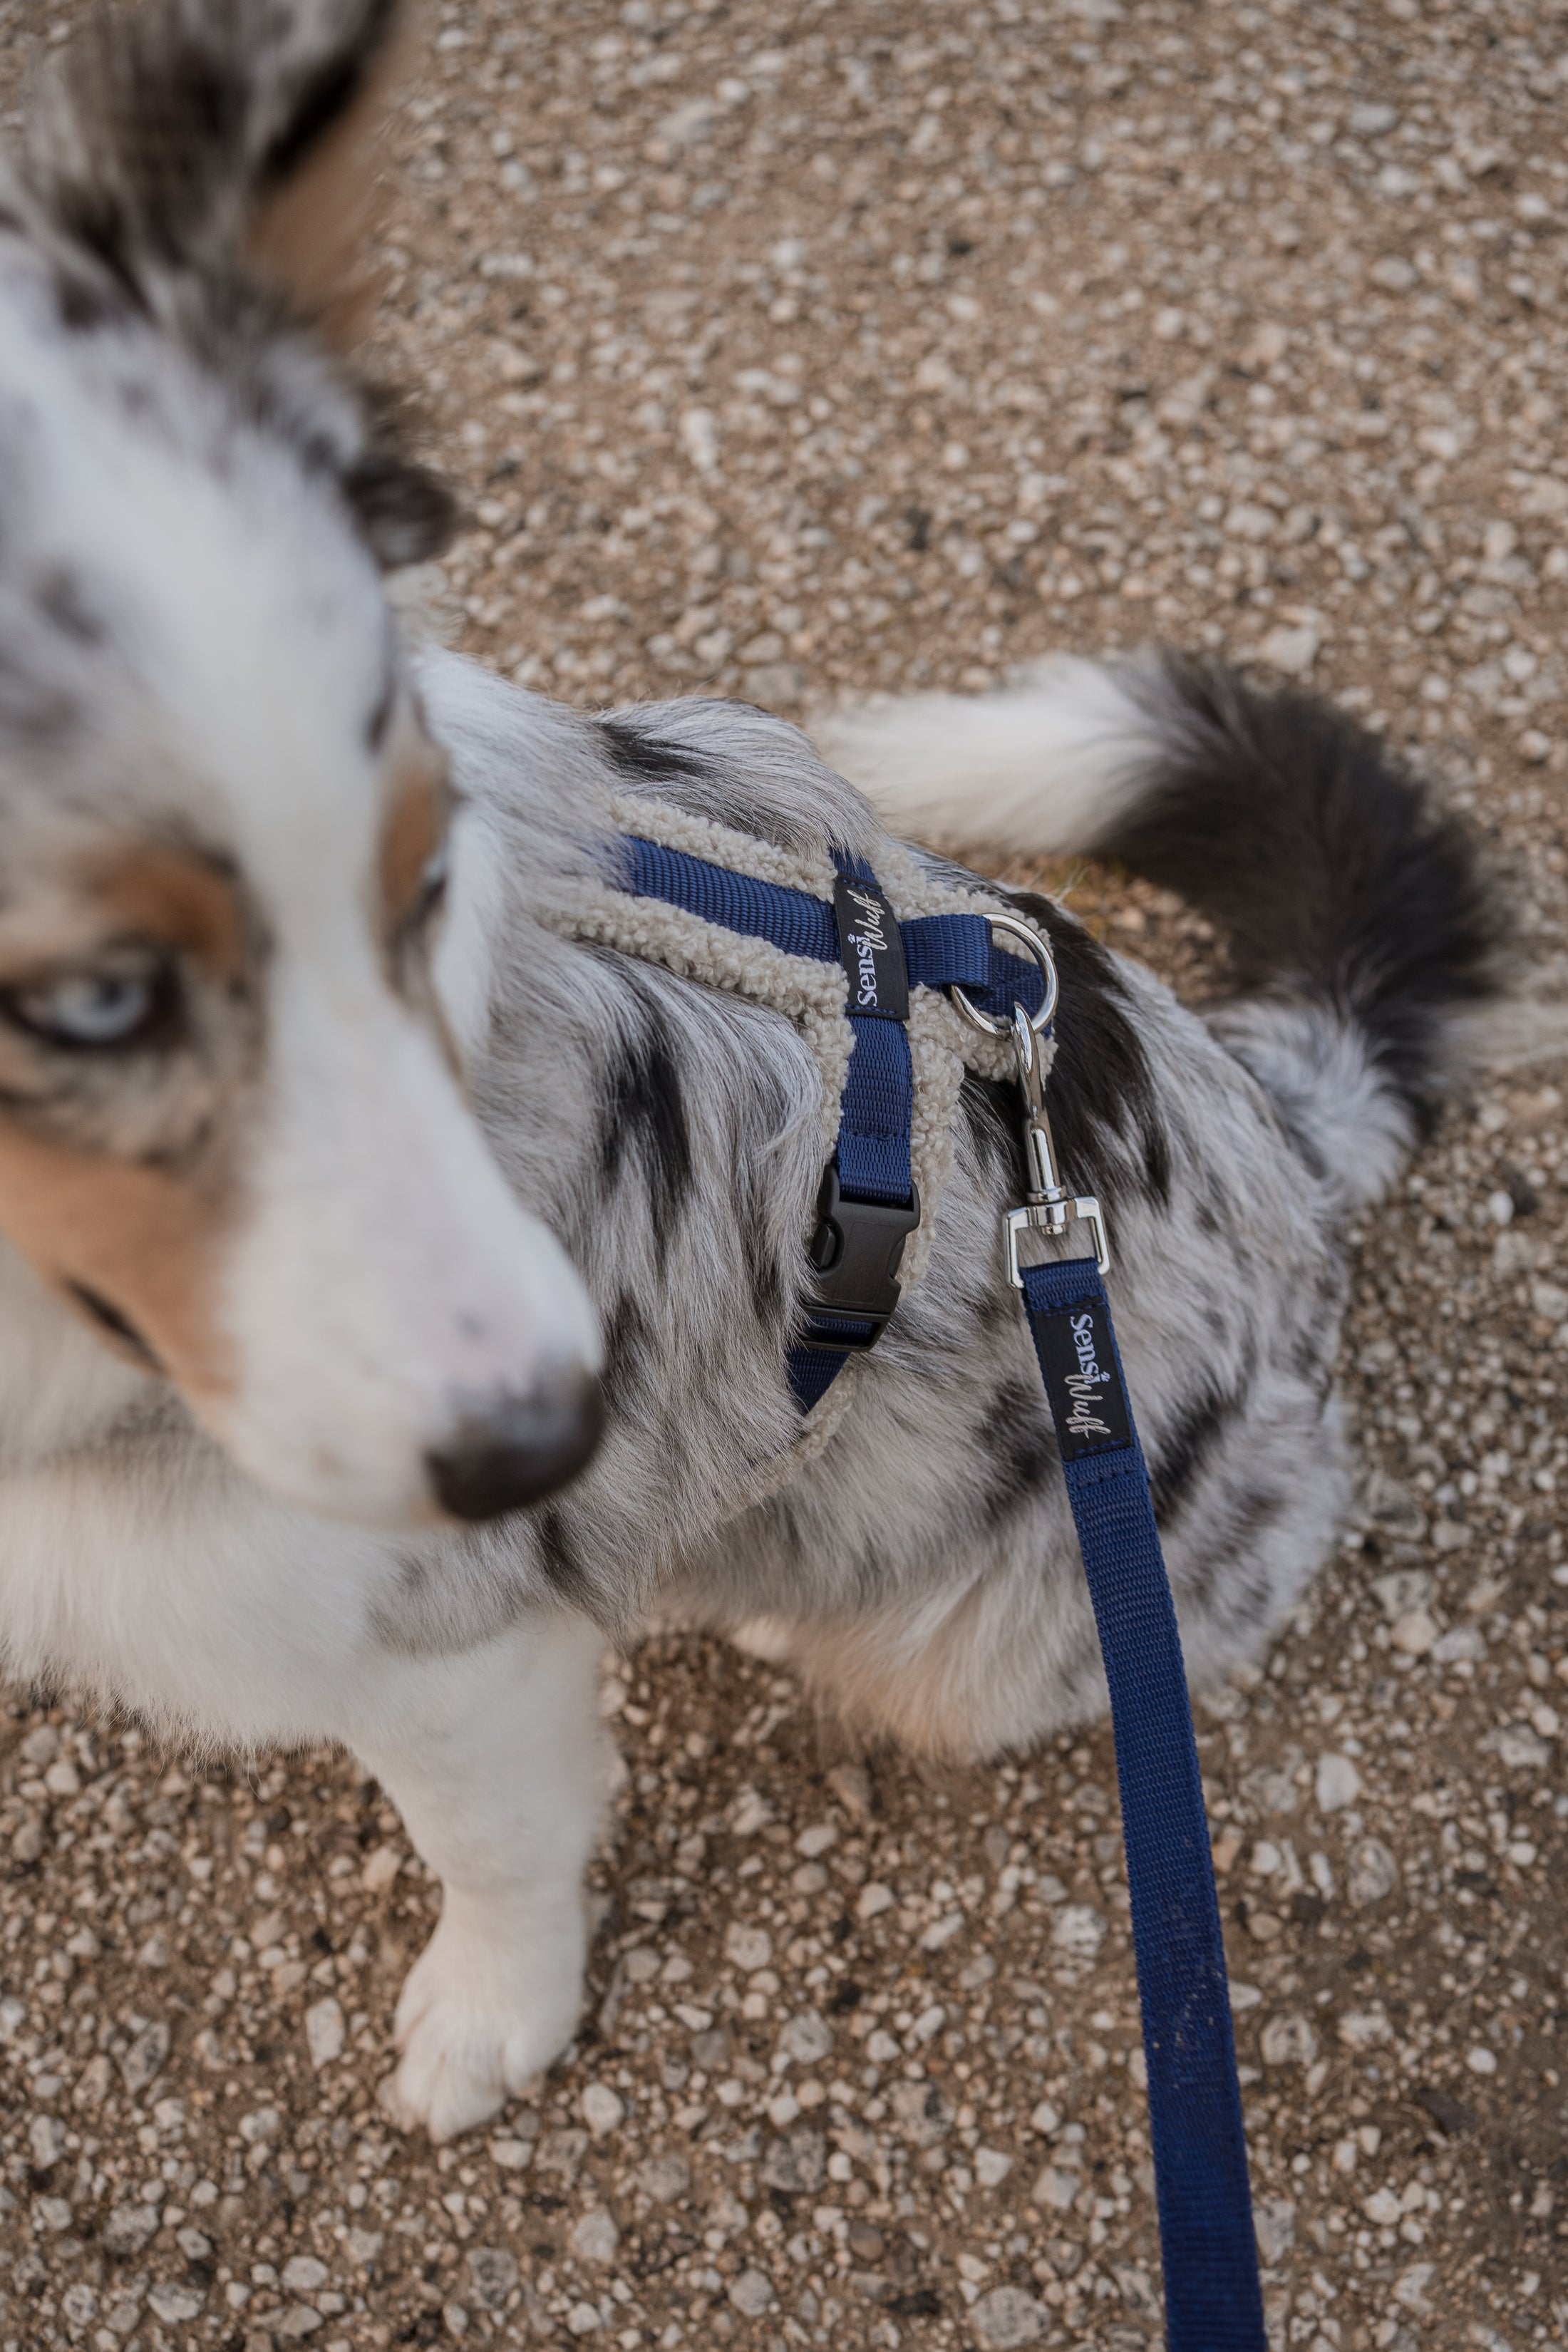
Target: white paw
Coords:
[[771, 1639], [482, 2012]]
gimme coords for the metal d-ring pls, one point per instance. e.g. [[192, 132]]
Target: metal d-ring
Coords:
[[1038, 1022]]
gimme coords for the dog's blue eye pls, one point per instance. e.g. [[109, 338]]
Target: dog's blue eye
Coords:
[[88, 1008], [433, 881]]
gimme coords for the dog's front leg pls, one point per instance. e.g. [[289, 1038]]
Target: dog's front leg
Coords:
[[493, 1757]]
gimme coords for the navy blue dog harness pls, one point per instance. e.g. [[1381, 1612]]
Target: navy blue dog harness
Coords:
[[867, 1209], [868, 1205]]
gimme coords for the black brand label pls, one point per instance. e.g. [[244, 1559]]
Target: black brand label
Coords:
[[1082, 1381], [872, 950]]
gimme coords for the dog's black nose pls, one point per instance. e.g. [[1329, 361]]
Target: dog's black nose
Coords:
[[506, 1452]]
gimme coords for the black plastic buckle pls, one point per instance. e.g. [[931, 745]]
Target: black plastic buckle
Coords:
[[856, 1251]]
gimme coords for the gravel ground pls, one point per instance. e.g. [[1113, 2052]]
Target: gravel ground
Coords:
[[793, 350]]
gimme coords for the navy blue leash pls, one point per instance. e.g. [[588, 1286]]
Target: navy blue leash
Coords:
[[1213, 2297], [1214, 2301]]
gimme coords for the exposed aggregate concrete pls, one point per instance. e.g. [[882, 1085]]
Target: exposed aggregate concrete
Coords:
[[799, 350]]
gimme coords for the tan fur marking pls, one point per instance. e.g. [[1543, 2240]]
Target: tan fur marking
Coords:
[[179, 901], [145, 1242], [412, 835], [311, 238]]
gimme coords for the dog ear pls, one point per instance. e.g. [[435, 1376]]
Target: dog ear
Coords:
[[218, 135], [188, 150], [314, 203]]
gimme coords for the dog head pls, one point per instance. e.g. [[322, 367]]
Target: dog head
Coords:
[[231, 1132]]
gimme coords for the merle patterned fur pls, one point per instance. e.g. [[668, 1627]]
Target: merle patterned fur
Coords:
[[922, 1567], [153, 159]]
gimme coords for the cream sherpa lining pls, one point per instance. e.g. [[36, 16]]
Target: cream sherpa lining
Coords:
[[741, 853], [943, 1043]]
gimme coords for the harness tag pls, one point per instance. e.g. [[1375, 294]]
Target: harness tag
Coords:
[[873, 950], [1083, 1380]]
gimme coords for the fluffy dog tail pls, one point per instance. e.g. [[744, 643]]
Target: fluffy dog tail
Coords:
[[1357, 916]]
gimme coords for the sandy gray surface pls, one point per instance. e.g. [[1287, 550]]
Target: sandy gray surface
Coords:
[[790, 351]]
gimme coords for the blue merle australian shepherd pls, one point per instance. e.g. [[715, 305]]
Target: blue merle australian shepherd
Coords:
[[404, 1221]]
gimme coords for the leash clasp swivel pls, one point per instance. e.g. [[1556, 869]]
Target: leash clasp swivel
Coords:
[[1049, 1207]]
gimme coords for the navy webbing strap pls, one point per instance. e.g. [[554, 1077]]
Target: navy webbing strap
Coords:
[[1213, 2299], [940, 951], [878, 1107], [871, 1158], [792, 919]]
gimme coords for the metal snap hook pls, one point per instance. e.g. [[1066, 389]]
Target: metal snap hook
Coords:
[[1050, 1208]]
